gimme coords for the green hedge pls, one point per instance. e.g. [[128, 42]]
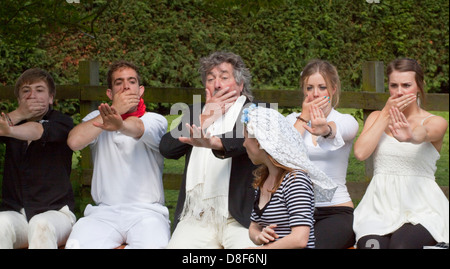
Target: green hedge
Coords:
[[166, 39]]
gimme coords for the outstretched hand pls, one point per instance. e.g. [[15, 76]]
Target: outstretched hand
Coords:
[[5, 129], [198, 138], [319, 125], [399, 126], [112, 121]]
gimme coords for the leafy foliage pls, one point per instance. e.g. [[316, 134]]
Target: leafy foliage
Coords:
[[275, 38], [24, 22], [166, 38]]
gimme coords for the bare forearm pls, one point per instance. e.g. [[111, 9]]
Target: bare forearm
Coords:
[[29, 131], [299, 125], [368, 140], [133, 127], [254, 230], [298, 238], [83, 134]]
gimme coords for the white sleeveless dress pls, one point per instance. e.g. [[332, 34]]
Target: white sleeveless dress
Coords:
[[403, 190]]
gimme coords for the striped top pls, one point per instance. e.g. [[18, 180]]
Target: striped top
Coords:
[[291, 205]]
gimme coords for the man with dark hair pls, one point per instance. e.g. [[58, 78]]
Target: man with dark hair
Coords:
[[38, 201], [127, 178], [216, 195]]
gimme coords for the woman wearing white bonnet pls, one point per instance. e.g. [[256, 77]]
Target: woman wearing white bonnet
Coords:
[[287, 183]]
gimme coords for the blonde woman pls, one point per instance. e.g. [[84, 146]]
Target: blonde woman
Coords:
[[328, 136]]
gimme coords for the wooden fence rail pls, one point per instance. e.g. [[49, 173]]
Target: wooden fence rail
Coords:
[[90, 93], [284, 98]]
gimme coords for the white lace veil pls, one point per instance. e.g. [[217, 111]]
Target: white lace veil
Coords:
[[285, 144]]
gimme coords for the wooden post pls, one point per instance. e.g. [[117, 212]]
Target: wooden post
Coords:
[[373, 76], [88, 76], [88, 73], [373, 81]]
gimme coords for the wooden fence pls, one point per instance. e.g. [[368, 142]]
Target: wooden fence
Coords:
[[90, 93]]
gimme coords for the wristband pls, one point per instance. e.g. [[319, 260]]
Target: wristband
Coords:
[[329, 133], [302, 119], [9, 120]]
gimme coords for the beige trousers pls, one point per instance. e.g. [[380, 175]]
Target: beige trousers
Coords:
[[193, 234]]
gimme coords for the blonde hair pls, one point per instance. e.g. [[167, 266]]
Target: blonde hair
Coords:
[[328, 72]]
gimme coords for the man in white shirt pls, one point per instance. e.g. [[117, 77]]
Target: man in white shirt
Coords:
[[127, 178]]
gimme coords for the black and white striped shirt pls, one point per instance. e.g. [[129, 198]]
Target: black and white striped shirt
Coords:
[[291, 205]]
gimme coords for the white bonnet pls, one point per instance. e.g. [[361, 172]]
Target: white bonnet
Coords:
[[285, 144]]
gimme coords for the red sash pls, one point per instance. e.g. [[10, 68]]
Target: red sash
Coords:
[[139, 111]]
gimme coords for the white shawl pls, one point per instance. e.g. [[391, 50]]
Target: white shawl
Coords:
[[208, 177]]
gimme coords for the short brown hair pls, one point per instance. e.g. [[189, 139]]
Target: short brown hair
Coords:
[[120, 65], [33, 75], [409, 65]]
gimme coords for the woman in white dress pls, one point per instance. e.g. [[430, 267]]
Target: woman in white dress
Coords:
[[403, 207]]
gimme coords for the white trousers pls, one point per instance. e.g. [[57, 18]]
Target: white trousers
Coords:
[[107, 227], [194, 234], [46, 230]]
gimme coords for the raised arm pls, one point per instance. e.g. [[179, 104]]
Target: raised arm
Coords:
[[108, 120], [376, 124], [112, 121], [373, 128], [431, 130], [84, 133], [28, 131]]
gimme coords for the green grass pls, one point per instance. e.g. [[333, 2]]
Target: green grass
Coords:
[[442, 176], [171, 197]]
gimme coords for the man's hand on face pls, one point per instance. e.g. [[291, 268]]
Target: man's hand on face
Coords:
[[30, 107], [124, 101], [217, 103]]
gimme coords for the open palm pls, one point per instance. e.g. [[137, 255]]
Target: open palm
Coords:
[[399, 126], [318, 121], [112, 121]]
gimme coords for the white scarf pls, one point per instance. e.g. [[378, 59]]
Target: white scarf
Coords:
[[208, 177]]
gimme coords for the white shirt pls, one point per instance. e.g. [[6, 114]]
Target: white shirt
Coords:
[[331, 155], [128, 170]]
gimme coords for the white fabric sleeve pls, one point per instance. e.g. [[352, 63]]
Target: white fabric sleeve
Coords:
[[89, 117], [155, 127], [346, 130]]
